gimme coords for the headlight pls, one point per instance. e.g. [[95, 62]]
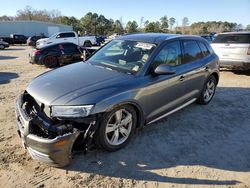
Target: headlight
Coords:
[[71, 111]]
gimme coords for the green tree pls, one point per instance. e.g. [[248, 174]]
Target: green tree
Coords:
[[103, 26], [117, 27], [74, 22], [154, 27], [132, 27], [171, 22], [164, 24], [87, 22], [6, 18]]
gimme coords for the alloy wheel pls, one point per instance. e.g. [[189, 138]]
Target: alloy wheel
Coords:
[[118, 127], [209, 91]]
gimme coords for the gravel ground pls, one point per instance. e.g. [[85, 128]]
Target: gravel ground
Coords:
[[199, 146]]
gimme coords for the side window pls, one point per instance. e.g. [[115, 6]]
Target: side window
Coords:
[[70, 48], [70, 35], [192, 51], [170, 54], [204, 49]]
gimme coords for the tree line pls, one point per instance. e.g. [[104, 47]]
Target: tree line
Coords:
[[92, 23]]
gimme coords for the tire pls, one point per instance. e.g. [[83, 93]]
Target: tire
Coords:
[[207, 91], [1, 47], [50, 61], [87, 44], [117, 136]]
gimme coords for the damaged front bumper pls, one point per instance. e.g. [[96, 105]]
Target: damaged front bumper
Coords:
[[54, 151]]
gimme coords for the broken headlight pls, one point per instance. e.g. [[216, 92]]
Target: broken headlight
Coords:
[[71, 111]]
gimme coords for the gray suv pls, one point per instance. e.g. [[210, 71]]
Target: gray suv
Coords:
[[131, 81]]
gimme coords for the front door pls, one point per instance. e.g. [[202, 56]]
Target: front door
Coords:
[[166, 91]]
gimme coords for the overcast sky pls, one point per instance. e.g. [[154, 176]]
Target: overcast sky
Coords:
[[196, 10]]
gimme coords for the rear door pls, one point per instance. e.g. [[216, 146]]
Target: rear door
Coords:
[[231, 46], [196, 65]]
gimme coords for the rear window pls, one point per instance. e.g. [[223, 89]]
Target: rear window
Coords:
[[204, 49], [232, 38]]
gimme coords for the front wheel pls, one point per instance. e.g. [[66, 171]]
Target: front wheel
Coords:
[[208, 91], [117, 128], [50, 61]]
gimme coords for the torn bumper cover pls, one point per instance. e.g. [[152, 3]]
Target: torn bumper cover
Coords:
[[54, 151]]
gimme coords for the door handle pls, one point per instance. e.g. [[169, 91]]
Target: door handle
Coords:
[[182, 78]]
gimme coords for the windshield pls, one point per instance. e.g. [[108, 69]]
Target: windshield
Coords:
[[53, 36], [122, 55]]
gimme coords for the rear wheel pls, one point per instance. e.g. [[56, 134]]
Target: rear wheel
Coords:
[[87, 44], [1, 47], [208, 91], [117, 128], [50, 61]]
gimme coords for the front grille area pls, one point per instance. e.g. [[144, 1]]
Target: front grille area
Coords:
[[34, 107], [41, 124]]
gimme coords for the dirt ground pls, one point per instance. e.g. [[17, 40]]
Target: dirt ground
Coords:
[[199, 146]]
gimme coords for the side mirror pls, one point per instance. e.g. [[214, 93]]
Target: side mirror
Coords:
[[164, 69]]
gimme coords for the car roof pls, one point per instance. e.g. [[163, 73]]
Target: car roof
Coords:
[[65, 32], [155, 38], [235, 32], [44, 47]]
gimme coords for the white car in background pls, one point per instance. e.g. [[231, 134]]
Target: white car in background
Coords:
[[233, 49], [69, 36]]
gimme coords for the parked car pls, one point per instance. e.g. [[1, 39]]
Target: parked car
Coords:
[[31, 41], [135, 80], [3, 45], [58, 54], [70, 36], [209, 38], [233, 49], [15, 39], [100, 39]]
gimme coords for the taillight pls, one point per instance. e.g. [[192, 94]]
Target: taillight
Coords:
[[38, 52], [248, 51]]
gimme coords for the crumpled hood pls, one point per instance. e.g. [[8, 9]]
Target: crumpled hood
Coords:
[[63, 86]]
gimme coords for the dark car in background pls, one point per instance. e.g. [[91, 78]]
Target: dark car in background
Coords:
[[100, 39], [132, 81], [31, 41], [59, 54], [3, 44], [209, 38], [15, 39]]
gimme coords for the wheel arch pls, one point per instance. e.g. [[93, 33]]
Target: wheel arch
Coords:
[[139, 111], [86, 42], [216, 75]]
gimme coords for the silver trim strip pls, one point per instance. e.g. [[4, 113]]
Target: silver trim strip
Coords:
[[174, 110]]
